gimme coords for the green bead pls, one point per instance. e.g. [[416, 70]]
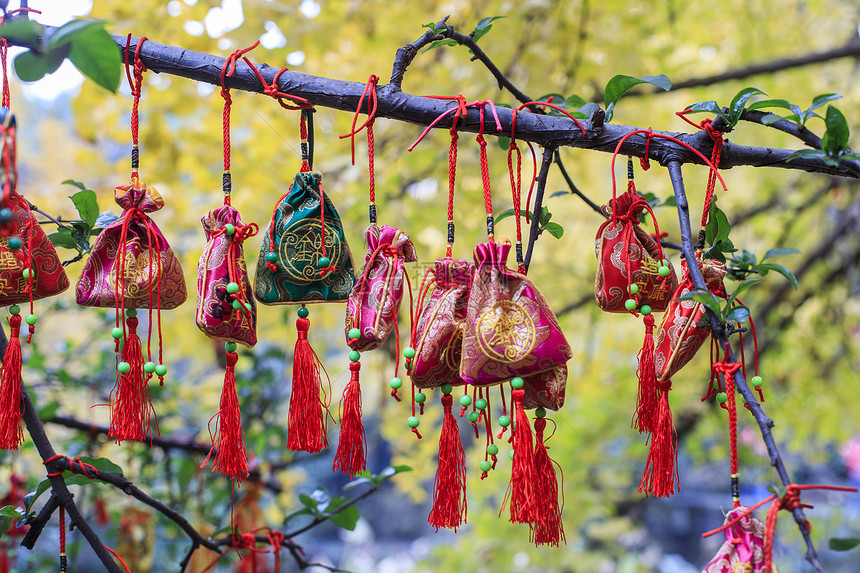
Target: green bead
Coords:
[[131, 312], [492, 449], [633, 289], [480, 403], [420, 397], [354, 356], [409, 352], [230, 346], [511, 454], [116, 332], [465, 401], [229, 229], [504, 421], [486, 465], [757, 381], [395, 383], [303, 312], [161, 370], [446, 388], [354, 334], [540, 412], [237, 304], [6, 215], [413, 422], [743, 399], [722, 397], [25, 273], [645, 310], [517, 383], [123, 367], [630, 304], [15, 309], [473, 417], [664, 271], [232, 288], [271, 257], [323, 262], [31, 319], [15, 243], [149, 367]]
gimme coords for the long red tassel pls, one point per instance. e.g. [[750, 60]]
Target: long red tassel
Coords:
[[523, 502], [11, 407], [307, 424], [548, 529], [660, 478], [229, 441], [350, 457], [645, 416], [449, 487], [130, 402], [4, 557]]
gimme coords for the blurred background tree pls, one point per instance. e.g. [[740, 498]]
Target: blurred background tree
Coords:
[[809, 339]]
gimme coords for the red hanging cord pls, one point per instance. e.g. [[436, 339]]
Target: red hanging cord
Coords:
[[717, 137], [370, 93], [134, 73], [728, 369]]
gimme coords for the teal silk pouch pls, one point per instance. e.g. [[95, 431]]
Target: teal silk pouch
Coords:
[[305, 230]]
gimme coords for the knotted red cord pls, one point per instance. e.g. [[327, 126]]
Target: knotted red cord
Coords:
[[83, 468], [370, 93], [234, 252], [728, 369], [485, 168], [272, 90], [136, 70], [717, 137]]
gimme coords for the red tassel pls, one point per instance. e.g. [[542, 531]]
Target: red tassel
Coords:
[[4, 558], [229, 440], [11, 407], [645, 416], [449, 487], [130, 405], [350, 457], [660, 478], [548, 529], [523, 503], [307, 424]]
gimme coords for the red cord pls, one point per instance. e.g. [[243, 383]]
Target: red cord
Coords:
[[728, 369], [370, 93]]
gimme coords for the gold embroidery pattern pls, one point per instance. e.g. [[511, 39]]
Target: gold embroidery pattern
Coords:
[[8, 261], [453, 350], [301, 247], [741, 567], [506, 332], [136, 272]]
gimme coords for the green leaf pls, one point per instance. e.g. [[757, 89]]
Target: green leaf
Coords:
[[559, 194], [296, 513], [718, 227], [510, 213], [741, 288], [739, 314], [48, 410], [779, 253], [95, 54], [781, 103], [705, 297], [104, 219], [357, 482], [22, 31], [484, 26], [836, 137], [587, 111], [63, 238], [554, 229], [545, 216], [222, 531], [736, 108], [669, 202], [820, 100], [438, 43], [772, 118], [70, 31], [709, 107], [10, 511], [345, 518], [87, 205], [843, 543], [77, 184], [32, 67], [575, 101], [621, 84], [430, 25], [779, 269], [726, 246], [807, 154], [5, 524]]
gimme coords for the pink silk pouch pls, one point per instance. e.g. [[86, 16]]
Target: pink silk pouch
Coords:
[[510, 329], [222, 314], [131, 262], [438, 336], [743, 549], [375, 298], [682, 332]]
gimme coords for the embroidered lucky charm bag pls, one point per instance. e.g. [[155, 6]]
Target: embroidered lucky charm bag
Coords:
[[743, 549], [131, 266]]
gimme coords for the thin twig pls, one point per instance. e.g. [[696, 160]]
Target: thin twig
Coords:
[[534, 230], [404, 56], [573, 189]]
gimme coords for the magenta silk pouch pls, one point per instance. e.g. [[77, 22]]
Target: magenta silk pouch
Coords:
[[375, 298], [438, 335], [221, 313], [743, 549], [510, 329], [131, 262]]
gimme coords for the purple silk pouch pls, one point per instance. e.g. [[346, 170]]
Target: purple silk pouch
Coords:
[[438, 335], [221, 313], [743, 549], [510, 329], [375, 298], [131, 265]]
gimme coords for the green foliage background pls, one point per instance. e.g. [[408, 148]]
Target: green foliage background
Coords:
[[811, 336]]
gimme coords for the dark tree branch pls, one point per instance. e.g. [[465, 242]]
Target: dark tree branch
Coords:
[[765, 424], [785, 126], [191, 446], [404, 56], [534, 230], [37, 524]]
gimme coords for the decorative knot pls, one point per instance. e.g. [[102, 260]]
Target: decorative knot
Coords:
[[82, 468]]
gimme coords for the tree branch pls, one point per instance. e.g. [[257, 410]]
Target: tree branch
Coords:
[[764, 423], [534, 230]]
